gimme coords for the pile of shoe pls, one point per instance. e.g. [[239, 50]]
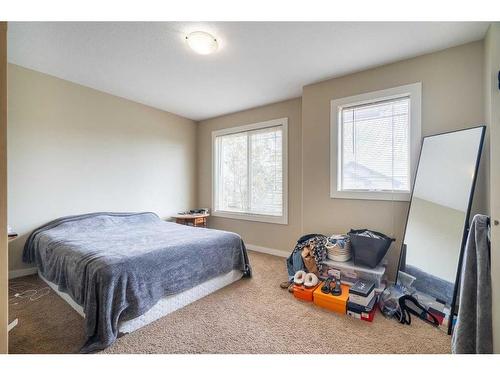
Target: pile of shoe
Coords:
[[309, 280], [332, 295], [332, 285], [339, 248], [304, 285]]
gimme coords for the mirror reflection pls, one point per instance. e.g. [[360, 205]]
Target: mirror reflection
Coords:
[[438, 213]]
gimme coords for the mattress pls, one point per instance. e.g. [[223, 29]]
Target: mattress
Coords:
[[118, 266], [165, 305]]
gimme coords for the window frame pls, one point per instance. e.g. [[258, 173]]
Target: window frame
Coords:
[[283, 219], [414, 92]]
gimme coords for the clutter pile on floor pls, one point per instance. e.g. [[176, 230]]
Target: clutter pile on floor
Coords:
[[345, 273], [357, 300], [328, 272]]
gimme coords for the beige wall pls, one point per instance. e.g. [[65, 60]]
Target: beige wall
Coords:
[[492, 113], [275, 236], [87, 146], [72, 150], [452, 98], [3, 191]]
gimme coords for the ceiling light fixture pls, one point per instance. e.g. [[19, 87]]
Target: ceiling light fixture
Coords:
[[202, 42]]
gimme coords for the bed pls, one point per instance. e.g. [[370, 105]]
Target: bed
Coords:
[[121, 271]]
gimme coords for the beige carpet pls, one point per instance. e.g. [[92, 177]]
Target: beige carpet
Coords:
[[249, 316]]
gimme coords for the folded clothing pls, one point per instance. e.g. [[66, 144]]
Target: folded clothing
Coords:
[[308, 254], [340, 240]]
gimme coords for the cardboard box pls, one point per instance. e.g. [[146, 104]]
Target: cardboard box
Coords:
[[329, 301], [362, 312], [362, 292], [303, 293], [356, 307], [367, 316]]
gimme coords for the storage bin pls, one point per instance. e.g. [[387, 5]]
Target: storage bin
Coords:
[[303, 293], [368, 251], [328, 301], [339, 248], [351, 273]]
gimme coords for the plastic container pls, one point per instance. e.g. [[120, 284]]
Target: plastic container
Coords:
[[351, 273], [368, 251]]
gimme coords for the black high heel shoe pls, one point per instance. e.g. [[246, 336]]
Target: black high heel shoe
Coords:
[[326, 286], [337, 291]]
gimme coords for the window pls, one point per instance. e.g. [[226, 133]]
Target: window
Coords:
[[375, 138], [250, 172]]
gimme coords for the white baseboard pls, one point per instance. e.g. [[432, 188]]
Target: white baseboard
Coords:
[[267, 250], [22, 272]]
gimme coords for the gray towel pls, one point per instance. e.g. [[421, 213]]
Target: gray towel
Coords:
[[472, 333]]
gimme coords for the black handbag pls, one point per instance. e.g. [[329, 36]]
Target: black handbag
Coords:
[[368, 251]]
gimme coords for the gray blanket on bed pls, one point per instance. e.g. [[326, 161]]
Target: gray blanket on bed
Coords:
[[118, 265]]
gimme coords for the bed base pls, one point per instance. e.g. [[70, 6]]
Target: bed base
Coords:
[[164, 306]]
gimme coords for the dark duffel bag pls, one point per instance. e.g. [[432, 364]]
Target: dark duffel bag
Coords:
[[368, 251]]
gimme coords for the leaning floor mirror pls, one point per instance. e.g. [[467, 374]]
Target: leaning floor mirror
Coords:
[[438, 219]]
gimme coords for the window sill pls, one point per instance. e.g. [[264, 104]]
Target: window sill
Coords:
[[371, 195], [251, 217]]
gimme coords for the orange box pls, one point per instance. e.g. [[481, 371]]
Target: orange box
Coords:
[[303, 293], [331, 302]]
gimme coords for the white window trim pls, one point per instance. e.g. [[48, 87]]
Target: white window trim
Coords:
[[414, 91], [247, 216]]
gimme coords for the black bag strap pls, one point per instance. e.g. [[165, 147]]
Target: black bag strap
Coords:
[[403, 316], [424, 314]]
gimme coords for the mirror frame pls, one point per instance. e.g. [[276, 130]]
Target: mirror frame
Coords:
[[466, 227]]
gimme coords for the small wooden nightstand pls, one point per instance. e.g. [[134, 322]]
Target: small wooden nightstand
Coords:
[[199, 220]]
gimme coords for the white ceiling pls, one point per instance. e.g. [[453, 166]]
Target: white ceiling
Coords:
[[258, 62]]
